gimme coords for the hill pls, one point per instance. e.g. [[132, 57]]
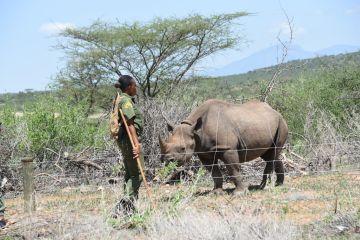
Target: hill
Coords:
[[249, 84], [269, 57]]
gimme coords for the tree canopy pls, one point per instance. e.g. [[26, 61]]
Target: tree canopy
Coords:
[[158, 54]]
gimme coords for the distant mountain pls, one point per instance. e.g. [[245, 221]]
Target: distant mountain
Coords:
[[337, 49], [272, 55]]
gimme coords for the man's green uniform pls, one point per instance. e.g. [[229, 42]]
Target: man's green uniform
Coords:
[[132, 173]]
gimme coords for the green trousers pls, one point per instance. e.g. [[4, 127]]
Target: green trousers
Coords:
[[133, 177], [2, 204]]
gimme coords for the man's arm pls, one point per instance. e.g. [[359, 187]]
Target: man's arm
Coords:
[[134, 137]]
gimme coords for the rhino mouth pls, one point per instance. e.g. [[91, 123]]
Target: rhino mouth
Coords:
[[167, 159]]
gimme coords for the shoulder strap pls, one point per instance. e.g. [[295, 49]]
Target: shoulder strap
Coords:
[[116, 101]]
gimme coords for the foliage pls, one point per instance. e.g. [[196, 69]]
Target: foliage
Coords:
[[199, 175], [18, 100], [41, 130], [51, 124], [332, 90], [73, 127], [165, 171], [7, 115], [83, 81], [159, 54], [136, 220]]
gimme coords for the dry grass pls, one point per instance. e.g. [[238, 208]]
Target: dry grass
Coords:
[[303, 208], [234, 223], [330, 144]]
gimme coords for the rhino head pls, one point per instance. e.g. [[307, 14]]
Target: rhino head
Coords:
[[180, 144]]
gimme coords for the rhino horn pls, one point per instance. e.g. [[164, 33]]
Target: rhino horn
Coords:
[[162, 144]]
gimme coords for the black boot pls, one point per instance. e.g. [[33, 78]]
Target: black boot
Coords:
[[125, 207]]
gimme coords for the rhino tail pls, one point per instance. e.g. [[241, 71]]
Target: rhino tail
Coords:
[[281, 134], [280, 140]]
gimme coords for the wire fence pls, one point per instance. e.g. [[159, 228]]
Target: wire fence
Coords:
[[96, 172], [65, 159], [204, 180], [51, 180]]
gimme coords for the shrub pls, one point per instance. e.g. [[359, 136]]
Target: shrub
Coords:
[[330, 91], [56, 125]]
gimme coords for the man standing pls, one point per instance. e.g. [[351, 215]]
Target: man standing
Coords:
[[135, 123]]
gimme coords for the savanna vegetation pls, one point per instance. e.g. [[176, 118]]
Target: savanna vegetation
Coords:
[[66, 130]]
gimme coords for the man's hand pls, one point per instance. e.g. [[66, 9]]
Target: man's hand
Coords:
[[136, 151]]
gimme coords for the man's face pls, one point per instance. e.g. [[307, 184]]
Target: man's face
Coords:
[[132, 88]]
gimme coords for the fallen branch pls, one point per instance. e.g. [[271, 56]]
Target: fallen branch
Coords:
[[87, 163], [294, 166], [49, 175], [296, 155]]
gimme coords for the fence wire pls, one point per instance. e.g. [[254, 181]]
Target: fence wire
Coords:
[[195, 152], [73, 180]]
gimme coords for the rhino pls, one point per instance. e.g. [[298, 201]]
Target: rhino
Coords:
[[233, 133]]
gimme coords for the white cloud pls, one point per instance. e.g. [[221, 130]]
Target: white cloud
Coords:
[[56, 27]]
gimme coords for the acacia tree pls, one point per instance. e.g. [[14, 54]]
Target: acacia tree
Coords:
[[81, 79], [159, 54]]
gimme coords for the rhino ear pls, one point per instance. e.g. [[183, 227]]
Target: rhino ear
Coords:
[[197, 125], [196, 129], [170, 127]]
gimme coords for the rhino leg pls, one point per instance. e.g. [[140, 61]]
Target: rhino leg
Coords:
[[269, 168], [280, 173], [273, 162], [210, 163], [231, 158]]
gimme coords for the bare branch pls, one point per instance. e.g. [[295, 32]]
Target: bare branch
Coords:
[[284, 53]]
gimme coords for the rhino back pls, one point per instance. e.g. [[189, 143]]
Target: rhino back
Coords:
[[251, 125]]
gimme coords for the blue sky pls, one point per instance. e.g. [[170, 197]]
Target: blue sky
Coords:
[[28, 28]]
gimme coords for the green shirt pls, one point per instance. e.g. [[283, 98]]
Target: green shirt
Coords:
[[131, 111]]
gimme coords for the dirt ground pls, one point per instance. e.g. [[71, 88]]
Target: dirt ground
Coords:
[[314, 204]]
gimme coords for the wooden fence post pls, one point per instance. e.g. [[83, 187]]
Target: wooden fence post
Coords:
[[28, 183]]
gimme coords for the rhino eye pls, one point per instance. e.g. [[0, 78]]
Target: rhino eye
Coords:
[[182, 149]]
